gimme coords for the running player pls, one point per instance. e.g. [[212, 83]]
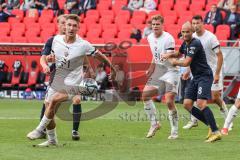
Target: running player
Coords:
[[199, 88], [163, 78], [48, 57], [70, 52], [231, 114], [215, 60]]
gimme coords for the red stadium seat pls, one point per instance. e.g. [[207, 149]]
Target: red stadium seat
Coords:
[[96, 41], [34, 39], [108, 20], [93, 13], [139, 14], [32, 33], [166, 5], [47, 13], [223, 29], [45, 20], [125, 27], [117, 6], [152, 13], [5, 39], [19, 39], [121, 20], [109, 34], [16, 33], [32, 13], [19, 13], [18, 26], [197, 7], [82, 30], [33, 26], [209, 27], [90, 20], [49, 27], [182, 20], [137, 20], [144, 41], [181, 5], [170, 20], [124, 34], [93, 27], [106, 13], [104, 6], [107, 27], [61, 3], [27, 20], [5, 28], [13, 20], [93, 33]]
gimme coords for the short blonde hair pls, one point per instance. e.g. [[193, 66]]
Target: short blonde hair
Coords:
[[60, 17], [157, 17], [73, 17]]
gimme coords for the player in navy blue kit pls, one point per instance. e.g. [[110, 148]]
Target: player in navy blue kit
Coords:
[[199, 89]]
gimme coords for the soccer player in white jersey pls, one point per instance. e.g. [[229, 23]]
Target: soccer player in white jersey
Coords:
[[215, 60], [231, 114], [47, 56], [70, 52], [163, 77]]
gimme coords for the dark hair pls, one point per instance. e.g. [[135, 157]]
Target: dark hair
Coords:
[[197, 17]]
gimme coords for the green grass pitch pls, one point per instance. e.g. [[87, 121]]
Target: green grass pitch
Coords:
[[118, 135]]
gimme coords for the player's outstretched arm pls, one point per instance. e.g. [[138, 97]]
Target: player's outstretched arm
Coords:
[[102, 58], [219, 66]]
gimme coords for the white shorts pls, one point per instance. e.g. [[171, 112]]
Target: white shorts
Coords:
[[164, 80], [50, 93], [238, 96], [218, 86]]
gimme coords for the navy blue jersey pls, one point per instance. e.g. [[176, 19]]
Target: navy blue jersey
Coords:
[[199, 65], [47, 51], [47, 47]]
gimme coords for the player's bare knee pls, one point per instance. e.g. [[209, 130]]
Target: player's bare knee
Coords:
[[237, 103], [76, 100], [187, 105], [201, 103]]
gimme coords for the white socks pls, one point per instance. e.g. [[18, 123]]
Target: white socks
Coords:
[[52, 135], [43, 124], [150, 110], [224, 110], [231, 114], [173, 119]]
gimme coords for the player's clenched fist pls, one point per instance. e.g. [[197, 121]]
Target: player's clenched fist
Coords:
[[50, 58]]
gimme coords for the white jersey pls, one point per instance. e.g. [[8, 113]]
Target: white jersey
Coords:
[[164, 70], [163, 44], [69, 59], [211, 47]]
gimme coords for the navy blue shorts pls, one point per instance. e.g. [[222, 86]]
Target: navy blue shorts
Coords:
[[199, 88]]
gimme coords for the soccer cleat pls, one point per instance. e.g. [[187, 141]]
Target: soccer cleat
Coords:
[[209, 133], [75, 135], [153, 129], [190, 125], [48, 143], [214, 137], [173, 136], [35, 134], [224, 131]]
